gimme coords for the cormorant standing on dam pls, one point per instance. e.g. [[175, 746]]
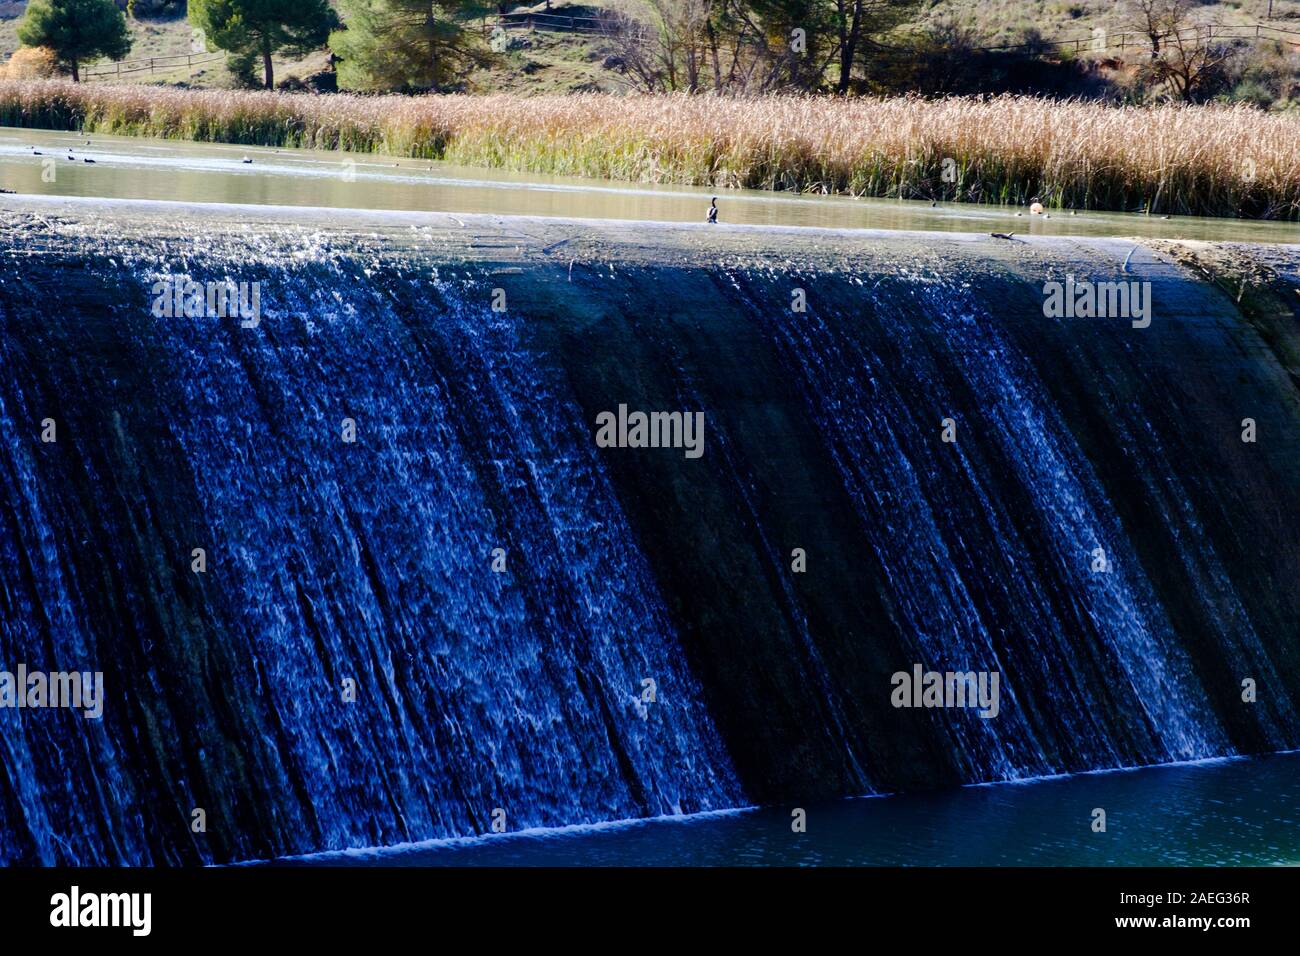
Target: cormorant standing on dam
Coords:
[[713, 210]]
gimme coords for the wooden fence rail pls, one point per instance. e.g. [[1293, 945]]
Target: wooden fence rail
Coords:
[[551, 22], [154, 64], [1103, 41]]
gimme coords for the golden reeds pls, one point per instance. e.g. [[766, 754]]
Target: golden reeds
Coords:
[[1209, 160]]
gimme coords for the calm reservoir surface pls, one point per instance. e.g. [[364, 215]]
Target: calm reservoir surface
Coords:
[[1235, 812], [131, 168]]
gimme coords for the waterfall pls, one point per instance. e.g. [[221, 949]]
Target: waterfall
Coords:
[[370, 561], [428, 605]]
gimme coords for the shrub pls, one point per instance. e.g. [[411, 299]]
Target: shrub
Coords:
[[31, 63]]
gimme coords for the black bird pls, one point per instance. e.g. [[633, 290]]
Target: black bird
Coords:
[[713, 210]]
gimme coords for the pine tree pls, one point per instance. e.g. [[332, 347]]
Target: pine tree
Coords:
[[76, 30], [404, 44], [259, 28]]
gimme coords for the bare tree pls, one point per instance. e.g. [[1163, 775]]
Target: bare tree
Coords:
[[856, 23], [636, 49], [1185, 57], [749, 46], [1148, 17], [664, 44], [1195, 65], [689, 45]]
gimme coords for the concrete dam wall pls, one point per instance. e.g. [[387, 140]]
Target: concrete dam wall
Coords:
[[383, 528]]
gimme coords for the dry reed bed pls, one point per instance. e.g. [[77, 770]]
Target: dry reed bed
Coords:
[[1225, 161]]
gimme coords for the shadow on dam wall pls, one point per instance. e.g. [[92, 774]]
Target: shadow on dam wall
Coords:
[[452, 619]]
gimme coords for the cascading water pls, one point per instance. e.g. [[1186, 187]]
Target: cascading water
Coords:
[[954, 551], [455, 617], [329, 561]]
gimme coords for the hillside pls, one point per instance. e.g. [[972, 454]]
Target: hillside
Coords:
[[537, 61], [166, 38], [1003, 20]]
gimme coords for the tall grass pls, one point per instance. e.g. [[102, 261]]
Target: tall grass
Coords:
[[1223, 161]]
